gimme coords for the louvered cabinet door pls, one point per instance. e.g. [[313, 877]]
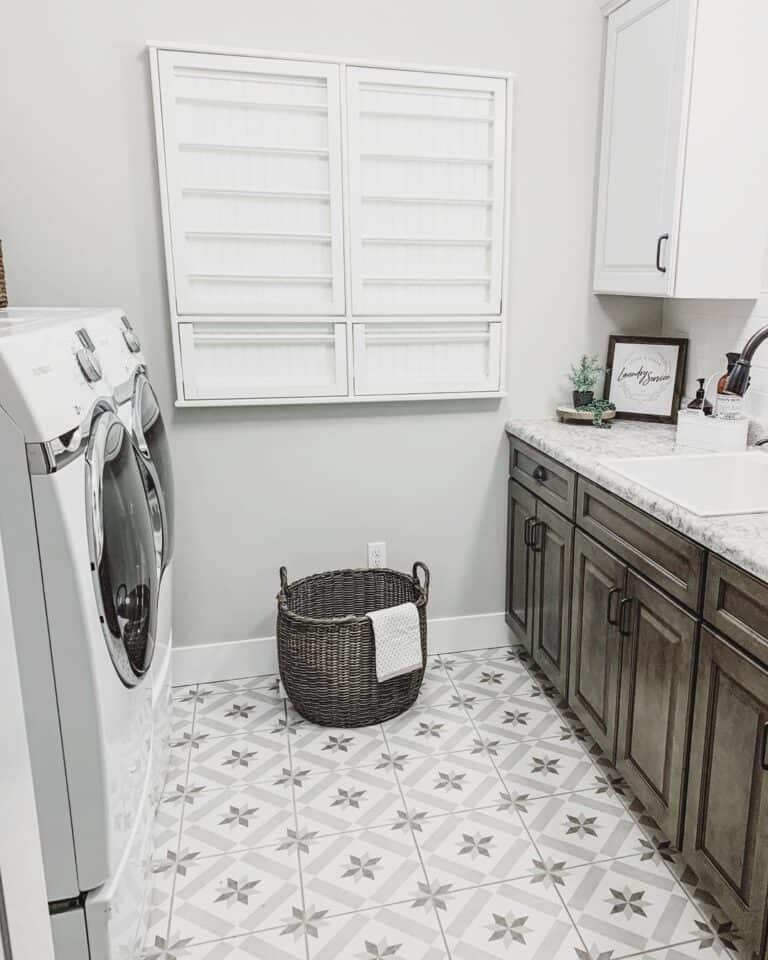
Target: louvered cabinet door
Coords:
[[252, 151], [427, 358], [426, 183], [248, 360]]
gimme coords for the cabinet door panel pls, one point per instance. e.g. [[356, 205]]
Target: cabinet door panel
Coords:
[[251, 161], [426, 192], [595, 654], [642, 145], [726, 836], [552, 605], [656, 687], [520, 567]]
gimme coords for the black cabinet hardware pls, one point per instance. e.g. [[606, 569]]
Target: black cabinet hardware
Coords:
[[612, 611], [625, 608], [536, 541], [662, 238], [540, 474], [527, 530], [763, 761]]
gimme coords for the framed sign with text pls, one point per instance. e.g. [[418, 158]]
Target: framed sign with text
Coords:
[[644, 377]]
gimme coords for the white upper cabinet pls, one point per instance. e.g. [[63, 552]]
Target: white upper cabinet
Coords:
[[426, 184], [682, 189], [253, 171]]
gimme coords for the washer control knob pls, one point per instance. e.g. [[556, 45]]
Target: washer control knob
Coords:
[[131, 341], [89, 365]]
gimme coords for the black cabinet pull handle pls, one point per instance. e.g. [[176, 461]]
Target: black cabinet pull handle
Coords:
[[662, 238], [612, 617], [527, 530], [540, 474], [763, 761], [536, 542], [625, 605]]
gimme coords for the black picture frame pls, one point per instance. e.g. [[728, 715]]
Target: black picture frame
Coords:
[[644, 372]]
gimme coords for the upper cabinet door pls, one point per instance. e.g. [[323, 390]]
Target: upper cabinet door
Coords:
[[642, 147], [427, 185], [252, 171]]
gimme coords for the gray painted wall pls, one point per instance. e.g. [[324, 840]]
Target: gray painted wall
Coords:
[[309, 486]]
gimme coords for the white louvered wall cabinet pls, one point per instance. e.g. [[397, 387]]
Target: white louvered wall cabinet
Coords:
[[334, 231]]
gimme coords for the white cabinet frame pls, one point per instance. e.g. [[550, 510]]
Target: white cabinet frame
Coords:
[[346, 320]]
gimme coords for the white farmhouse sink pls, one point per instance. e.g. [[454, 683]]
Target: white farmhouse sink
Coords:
[[708, 484]]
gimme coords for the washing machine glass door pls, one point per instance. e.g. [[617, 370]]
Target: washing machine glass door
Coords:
[[152, 440], [122, 518]]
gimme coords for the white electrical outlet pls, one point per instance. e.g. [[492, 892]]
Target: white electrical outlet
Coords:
[[377, 554]]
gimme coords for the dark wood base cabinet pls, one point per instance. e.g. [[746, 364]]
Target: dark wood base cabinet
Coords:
[[657, 667], [598, 586], [632, 656], [553, 548], [628, 617], [726, 835], [521, 510], [539, 561]]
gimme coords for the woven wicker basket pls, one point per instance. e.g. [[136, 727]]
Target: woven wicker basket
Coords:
[[326, 649]]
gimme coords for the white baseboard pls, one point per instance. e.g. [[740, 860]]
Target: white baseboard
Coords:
[[208, 662]]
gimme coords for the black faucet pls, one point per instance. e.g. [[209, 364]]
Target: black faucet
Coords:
[[738, 379]]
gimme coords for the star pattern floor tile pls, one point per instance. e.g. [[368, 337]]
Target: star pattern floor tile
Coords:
[[479, 846], [233, 894], [367, 868], [483, 823], [509, 920], [582, 827]]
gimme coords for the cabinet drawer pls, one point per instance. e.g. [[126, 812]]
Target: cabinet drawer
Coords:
[[737, 605], [668, 559], [548, 479]]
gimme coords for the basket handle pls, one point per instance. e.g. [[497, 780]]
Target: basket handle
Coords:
[[283, 579], [425, 571]]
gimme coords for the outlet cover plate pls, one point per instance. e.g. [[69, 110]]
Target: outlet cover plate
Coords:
[[377, 555]]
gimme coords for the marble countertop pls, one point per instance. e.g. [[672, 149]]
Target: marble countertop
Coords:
[[742, 539]]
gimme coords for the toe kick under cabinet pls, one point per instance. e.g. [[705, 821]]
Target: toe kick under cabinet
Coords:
[[661, 649]]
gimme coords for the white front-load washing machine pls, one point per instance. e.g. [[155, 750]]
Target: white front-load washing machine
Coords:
[[82, 524], [124, 367]]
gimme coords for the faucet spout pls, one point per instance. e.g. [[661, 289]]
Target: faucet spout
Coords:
[[738, 380]]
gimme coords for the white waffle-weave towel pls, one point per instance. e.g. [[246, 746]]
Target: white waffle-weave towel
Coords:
[[397, 636]]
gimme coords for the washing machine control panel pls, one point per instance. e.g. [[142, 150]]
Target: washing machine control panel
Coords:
[[50, 377]]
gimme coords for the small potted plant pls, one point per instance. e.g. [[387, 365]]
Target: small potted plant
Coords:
[[600, 409], [584, 376]]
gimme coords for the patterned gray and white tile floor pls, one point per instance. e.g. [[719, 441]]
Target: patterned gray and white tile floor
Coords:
[[484, 823]]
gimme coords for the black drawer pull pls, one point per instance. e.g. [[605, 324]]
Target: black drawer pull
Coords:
[[540, 474], [662, 238], [612, 614], [625, 606], [763, 761]]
